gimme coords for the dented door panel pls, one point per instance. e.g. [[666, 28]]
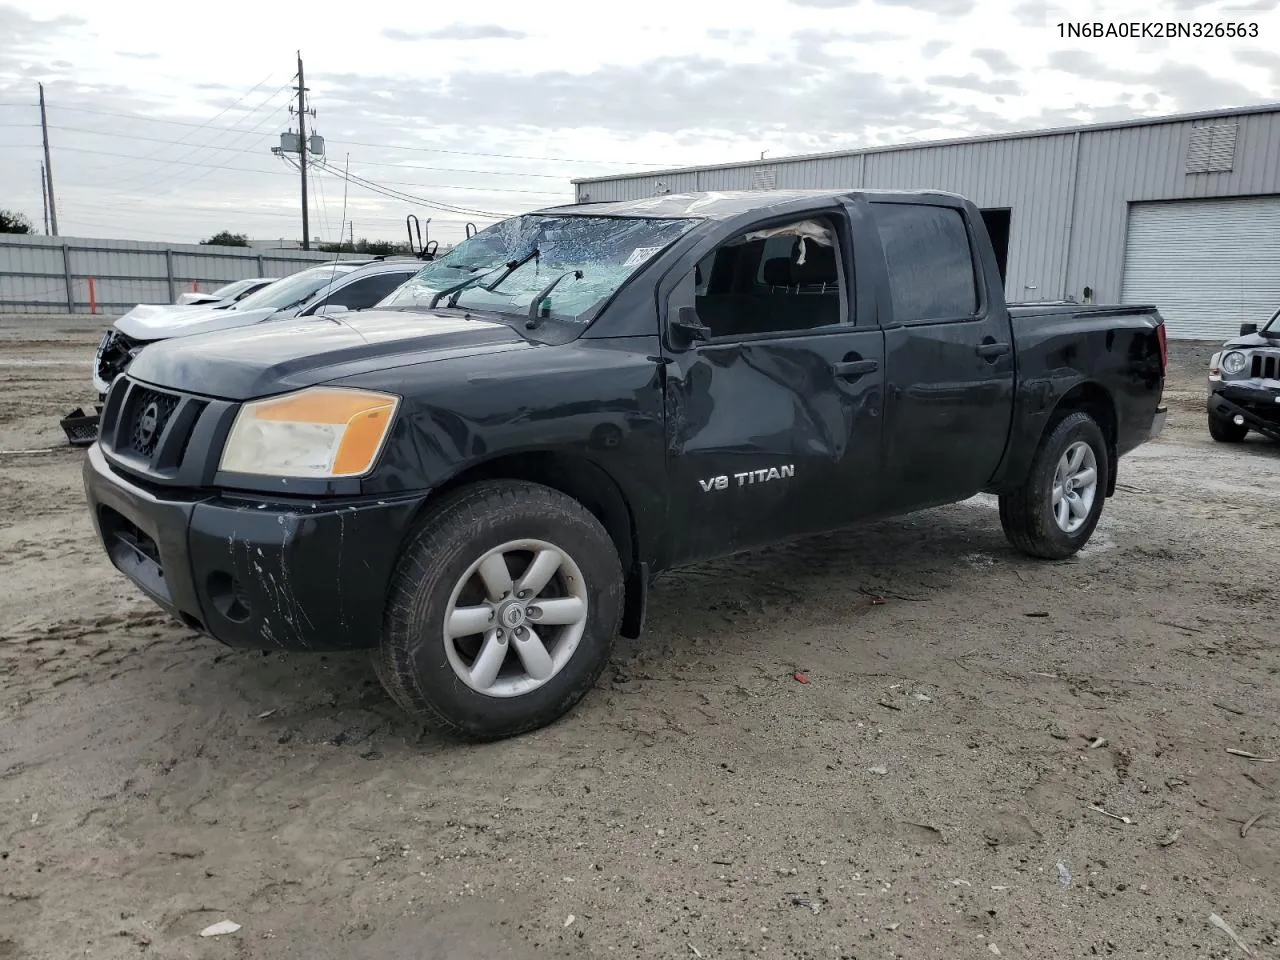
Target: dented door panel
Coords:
[[768, 440]]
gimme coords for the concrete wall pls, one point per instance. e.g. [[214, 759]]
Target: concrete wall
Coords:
[[41, 274], [1069, 191]]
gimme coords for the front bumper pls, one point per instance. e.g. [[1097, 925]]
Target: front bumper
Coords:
[[253, 573], [1256, 403]]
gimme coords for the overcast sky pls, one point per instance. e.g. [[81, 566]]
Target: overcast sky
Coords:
[[162, 116]]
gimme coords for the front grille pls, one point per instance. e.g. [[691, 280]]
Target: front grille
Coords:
[[160, 435], [151, 411], [1266, 366]]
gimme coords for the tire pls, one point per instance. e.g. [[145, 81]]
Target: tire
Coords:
[[1225, 431], [426, 672], [1028, 514]]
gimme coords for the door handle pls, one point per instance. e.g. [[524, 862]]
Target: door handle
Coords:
[[854, 368], [990, 351]]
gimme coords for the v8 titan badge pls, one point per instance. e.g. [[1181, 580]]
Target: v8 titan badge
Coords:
[[748, 478]]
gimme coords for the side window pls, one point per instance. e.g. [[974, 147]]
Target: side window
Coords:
[[781, 279], [364, 293], [930, 263]]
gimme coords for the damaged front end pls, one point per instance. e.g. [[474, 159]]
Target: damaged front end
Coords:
[[1244, 386], [114, 354]]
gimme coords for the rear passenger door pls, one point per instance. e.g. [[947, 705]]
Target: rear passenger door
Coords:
[[949, 372], [773, 419]]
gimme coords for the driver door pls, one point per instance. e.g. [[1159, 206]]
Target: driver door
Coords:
[[774, 419]]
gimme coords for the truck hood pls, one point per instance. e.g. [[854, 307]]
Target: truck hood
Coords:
[[147, 322], [291, 354]]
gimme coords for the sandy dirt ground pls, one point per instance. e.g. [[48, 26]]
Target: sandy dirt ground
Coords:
[[992, 756]]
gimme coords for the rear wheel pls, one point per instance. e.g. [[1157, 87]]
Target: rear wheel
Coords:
[[1054, 513], [1225, 430], [503, 611]]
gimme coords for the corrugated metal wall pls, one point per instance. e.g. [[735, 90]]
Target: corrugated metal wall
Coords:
[[1148, 163], [41, 274], [1209, 264], [1069, 192]]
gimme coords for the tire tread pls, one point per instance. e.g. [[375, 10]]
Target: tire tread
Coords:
[[438, 535], [1022, 513]]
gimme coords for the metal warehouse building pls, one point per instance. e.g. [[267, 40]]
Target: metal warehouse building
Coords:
[[1180, 211]]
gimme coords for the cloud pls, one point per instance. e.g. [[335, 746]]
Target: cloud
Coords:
[[1257, 6], [971, 81], [456, 31], [20, 29], [1189, 87], [1036, 13], [997, 60], [731, 98], [940, 8], [169, 137]]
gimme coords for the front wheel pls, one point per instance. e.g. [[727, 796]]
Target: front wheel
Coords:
[[1053, 514], [1225, 430], [503, 611]]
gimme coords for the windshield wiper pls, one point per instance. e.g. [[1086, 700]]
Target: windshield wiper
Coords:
[[511, 266], [542, 295], [457, 288]]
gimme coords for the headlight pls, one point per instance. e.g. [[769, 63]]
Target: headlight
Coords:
[[318, 432], [1233, 362]]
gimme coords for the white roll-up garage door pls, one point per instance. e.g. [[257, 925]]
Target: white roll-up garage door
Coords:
[[1208, 265]]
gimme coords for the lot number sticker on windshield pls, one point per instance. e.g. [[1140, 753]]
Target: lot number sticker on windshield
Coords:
[[640, 255]]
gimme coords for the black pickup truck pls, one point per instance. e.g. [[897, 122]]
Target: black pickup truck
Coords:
[[479, 477]]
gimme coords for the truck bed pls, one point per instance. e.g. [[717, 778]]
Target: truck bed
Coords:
[[1023, 310]]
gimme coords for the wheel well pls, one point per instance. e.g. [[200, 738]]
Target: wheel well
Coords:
[[1096, 401], [592, 487]]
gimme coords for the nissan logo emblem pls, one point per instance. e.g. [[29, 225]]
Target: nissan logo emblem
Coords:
[[149, 421]]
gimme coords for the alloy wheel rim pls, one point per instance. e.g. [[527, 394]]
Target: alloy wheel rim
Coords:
[[1075, 486], [515, 618]]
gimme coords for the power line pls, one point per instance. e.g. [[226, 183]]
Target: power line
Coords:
[[401, 195], [196, 148], [266, 121], [370, 163], [376, 146], [279, 173]]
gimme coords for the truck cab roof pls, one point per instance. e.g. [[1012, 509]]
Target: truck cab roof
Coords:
[[729, 204]]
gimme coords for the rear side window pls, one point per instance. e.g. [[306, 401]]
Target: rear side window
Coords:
[[364, 293], [931, 275]]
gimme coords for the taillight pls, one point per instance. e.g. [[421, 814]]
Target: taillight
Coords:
[[1164, 348]]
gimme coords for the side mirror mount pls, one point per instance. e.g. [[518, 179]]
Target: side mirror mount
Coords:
[[1248, 328], [331, 308], [688, 328]]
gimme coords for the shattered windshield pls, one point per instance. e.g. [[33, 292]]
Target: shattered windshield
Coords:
[[588, 258]]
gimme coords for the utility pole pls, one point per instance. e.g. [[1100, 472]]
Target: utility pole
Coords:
[[302, 152], [44, 199], [48, 167]]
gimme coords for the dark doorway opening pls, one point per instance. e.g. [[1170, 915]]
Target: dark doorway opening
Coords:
[[997, 222]]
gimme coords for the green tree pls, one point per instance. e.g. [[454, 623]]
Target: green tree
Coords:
[[225, 238], [11, 221], [371, 247]]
